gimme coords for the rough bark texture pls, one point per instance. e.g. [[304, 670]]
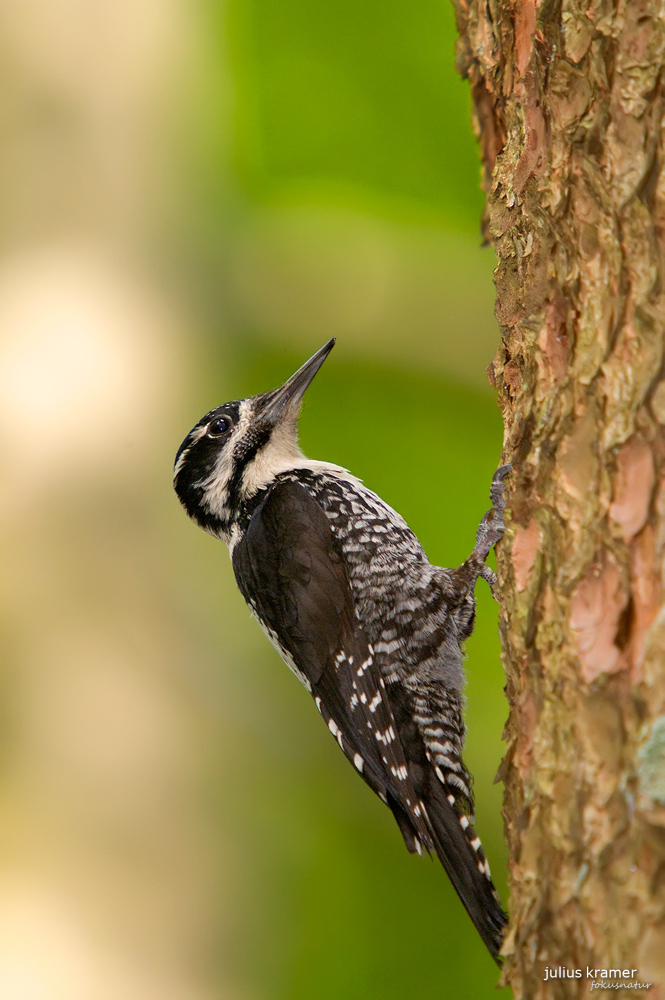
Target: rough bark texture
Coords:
[[569, 103]]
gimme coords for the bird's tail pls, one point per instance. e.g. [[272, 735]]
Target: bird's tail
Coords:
[[460, 852]]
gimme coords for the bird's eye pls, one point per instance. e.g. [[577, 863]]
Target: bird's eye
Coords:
[[219, 426]]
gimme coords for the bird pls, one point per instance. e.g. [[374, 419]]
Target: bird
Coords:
[[346, 594]]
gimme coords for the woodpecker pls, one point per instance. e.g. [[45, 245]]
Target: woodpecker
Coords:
[[344, 591]]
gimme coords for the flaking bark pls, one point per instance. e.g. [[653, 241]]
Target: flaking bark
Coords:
[[569, 104]]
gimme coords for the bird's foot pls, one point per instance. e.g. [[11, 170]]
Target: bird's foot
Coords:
[[492, 527]]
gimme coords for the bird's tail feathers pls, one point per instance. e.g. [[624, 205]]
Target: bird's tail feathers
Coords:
[[461, 853]]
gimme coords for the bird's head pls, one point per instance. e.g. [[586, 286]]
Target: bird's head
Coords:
[[238, 448]]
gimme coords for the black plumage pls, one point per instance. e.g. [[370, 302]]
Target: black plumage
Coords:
[[345, 592]]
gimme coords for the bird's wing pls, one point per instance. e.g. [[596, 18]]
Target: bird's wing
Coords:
[[291, 572]]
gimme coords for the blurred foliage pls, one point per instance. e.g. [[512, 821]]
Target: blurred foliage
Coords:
[[196, 195], [361, 100]]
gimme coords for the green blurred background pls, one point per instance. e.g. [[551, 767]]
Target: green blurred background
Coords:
[[195, 196]]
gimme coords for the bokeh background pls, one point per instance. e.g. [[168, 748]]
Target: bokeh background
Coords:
[[195, 196]]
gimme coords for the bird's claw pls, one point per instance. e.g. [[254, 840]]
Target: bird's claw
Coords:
[[492, 526]]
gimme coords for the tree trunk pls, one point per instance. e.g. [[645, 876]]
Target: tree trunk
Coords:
[[568, 104]]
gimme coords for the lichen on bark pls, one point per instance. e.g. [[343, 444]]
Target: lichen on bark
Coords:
[[568, 109]]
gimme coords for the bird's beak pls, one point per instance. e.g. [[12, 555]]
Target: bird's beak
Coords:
[[289, 396]]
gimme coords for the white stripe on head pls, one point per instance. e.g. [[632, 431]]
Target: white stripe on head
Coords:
[[215, 486]]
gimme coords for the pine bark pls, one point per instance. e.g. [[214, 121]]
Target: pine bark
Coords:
[[569, 102]]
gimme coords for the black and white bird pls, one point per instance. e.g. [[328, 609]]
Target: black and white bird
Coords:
[[346, 594]]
